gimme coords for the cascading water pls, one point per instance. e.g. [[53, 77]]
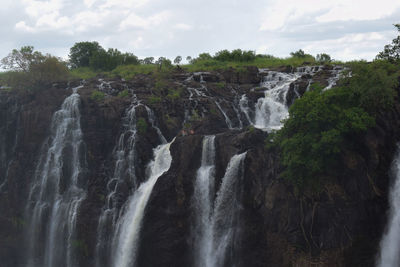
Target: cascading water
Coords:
[[216, 224], [390, 245], [128, 227], [227, 120], [152, 120], [124, 171], [57, 191], [8, 138], [244, 107], [203, 202], [272, 109]]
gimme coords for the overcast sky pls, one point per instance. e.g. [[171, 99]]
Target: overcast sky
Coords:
[[345, 29]]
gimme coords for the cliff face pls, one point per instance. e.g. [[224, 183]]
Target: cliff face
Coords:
[[341, 226]]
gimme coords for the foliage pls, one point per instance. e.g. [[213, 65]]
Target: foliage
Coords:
[[147, 60], [260, 61], [141, 126], [80, 53], [299, 53], [97, 96], [220, 85], [22, 59], [174, 94], [236, 55], [391, 52], [31, 69], [177, 60], [110, 59], [321, 123], [129, 71], [154, 99], [163, 62], [91, 54], [83, 73], [323, 58], [123, 94]]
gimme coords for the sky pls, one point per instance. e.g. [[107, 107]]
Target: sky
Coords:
[[345, 29]]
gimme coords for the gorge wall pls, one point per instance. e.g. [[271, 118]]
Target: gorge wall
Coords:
[[272, 224]]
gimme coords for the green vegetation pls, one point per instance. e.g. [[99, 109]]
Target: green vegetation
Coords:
[[91, 54], [141, 125], [124, 93], [97, 96], [154, 99], [174, 94], [83, 73], [391, 52], [220, 85], [30, 69], [322, 123], [239, 59]]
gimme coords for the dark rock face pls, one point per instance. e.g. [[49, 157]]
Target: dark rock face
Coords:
[[341, 226]]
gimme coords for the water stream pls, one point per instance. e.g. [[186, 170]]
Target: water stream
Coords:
[[57, 191]]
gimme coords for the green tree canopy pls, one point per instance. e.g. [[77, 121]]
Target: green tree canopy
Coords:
[[30, 69], [22, 59], [391, 51], [323, 58], [80, 53], [322, 123]]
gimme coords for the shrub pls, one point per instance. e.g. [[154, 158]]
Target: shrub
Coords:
[[141, 125], [97, 96], [154, 99], [124, 93], [321, 123]]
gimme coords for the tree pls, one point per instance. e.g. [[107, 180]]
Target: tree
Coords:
[[31, 69], [163, 62], [189, 59], [299, 53], [323, 58], [177, 60], [148, 60], [22, 59], [391, 51], [80, 53]]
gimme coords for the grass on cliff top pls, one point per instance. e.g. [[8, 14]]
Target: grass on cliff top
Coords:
[[260, 62], [128, 72]]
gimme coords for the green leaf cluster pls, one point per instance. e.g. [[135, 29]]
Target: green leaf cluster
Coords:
[[321, 123], [97, 96]]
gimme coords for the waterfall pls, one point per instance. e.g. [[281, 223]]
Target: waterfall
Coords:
[[203, 202], [124, 171], [227, 120], [390, 245], [57, 191], [152, 120], [8, 137], [128, 227], [216, 224], [244, 107], [272, 109]]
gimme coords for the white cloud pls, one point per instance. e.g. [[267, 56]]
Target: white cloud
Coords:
[[135, 21], [183, 26], [167, 28], [279, 14]]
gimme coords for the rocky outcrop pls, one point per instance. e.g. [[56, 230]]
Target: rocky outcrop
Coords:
[[339, 226]]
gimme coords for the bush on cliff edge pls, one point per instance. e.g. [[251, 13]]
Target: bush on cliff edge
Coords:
[[321, 123]]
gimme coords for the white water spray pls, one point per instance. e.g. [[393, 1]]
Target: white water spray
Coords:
[[216, 223], [129, 225], [57, 191], [390, 245]]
